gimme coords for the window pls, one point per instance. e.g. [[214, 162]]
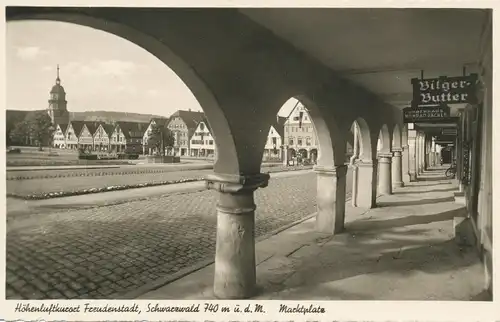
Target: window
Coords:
[[211, 142], [299, 141], [290, 141], [308, 141]]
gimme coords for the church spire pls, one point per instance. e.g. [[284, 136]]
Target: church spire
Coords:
[[58, 80]]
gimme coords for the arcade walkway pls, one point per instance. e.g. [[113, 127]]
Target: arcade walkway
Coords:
[[249, 62], [402, 250]]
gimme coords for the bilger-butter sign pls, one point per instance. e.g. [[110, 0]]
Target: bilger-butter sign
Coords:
[[444, 90], [427, 114]]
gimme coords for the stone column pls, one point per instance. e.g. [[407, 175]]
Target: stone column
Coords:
[[385, 181], [421, 152], [367, 184], [397, 171], [235, 276], [331, 186], [405, 164], [424, 154], [412, 154], [433, 153], [417, 154]]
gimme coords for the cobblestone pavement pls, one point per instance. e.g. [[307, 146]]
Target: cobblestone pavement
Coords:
[[107, 251]]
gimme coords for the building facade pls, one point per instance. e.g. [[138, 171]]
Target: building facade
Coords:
[[146, 149], [202, 142], [133, 134], [101, 137], [300, 138], [117, 140], [183, 124], [73, 134], [273, 149], [59, 140], [86, 137]]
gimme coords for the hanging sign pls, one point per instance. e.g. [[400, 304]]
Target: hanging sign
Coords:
[[444, 90], [427, 114], [449, 132], [466, 163]]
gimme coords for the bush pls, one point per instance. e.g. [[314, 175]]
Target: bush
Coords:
[[87, 156]]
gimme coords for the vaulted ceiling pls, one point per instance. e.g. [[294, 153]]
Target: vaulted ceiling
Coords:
[[382, 49]]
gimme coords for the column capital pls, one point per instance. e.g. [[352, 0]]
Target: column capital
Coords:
[[397, 149], [339, 170], [363, 163], [385, 155], [227, 183], [397, 154]]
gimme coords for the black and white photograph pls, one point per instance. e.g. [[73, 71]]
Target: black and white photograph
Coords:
[[248, 153]]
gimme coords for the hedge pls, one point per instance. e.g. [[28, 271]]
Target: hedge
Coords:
[[58, 194]]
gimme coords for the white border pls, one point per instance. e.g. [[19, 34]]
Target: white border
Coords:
[[338, 310]]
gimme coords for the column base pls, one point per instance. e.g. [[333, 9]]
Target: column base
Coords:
[[398, 184]]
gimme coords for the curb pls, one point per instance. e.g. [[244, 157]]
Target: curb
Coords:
[[84, 173]]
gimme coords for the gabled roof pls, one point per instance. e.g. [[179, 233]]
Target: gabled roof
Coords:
[[92, 127], [160, 121], [190, 118], [279, 125], [63, 127], [133, 129], [108, 128], [207, 125], [77, 127]]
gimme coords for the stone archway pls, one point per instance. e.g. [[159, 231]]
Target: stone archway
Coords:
[[234, 176], [330, 168], [364, 169]]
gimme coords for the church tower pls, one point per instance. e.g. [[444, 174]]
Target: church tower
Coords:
[[57, 110]]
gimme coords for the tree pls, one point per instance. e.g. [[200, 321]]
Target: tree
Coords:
[[160, 137], [40, 128], [20, 133]]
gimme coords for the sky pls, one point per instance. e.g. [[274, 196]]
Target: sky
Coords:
[[98, 70]]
